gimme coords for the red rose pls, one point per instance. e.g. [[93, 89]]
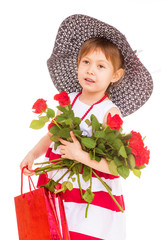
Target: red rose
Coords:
[[141, 153], [143, 158], [39, 106], [136, 143], [114, 122], [63, 98]]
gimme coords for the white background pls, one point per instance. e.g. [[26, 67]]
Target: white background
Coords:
[[28, 30]]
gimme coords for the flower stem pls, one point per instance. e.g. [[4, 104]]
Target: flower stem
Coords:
[[109, 191], [56, 123], [86, 212], [67, 107], [79, 184], [60, 190], [51, 169], [50, 166], [47, 162], [67, 171], [105, 128]]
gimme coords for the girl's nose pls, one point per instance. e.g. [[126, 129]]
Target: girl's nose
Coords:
[[90, 69]]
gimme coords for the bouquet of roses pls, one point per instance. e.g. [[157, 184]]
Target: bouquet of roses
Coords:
[[123, 152]]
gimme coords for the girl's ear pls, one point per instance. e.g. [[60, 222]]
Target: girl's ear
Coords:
[[118, 75]]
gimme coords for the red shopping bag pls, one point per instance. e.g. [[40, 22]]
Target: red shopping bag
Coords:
[[40, 215]]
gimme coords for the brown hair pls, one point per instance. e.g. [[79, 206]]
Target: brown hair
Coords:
[[110, 51]]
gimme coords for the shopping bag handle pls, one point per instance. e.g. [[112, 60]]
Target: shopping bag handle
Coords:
[[29, 179]]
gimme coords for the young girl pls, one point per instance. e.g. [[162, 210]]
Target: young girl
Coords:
[[106, 64]]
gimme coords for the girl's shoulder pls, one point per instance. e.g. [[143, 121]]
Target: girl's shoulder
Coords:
[[111, 108], [107, 105]]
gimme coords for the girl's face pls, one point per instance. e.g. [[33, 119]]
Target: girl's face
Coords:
[[95, 72]]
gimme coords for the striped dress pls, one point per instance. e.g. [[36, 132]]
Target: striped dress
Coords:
[[104, 220]]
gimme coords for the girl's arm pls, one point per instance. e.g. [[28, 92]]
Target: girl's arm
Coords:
[[38, 150], [101, 166], [73, 150]]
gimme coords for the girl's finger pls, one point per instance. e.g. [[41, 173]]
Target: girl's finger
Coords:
[[61, 147], [64, 142], [27, 171], [62, 151], [73, 136]]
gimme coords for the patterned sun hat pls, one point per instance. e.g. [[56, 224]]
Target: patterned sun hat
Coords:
[[136, 86]]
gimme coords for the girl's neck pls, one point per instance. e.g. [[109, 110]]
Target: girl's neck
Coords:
[[90, 98]]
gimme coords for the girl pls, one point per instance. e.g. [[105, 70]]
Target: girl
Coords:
[[107, 68]]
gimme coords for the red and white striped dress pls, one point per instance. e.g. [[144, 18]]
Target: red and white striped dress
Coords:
[[104, 220]]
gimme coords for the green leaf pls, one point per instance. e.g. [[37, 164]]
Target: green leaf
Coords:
[[128, 136], [70, 114], [110, 137], [128, 150], [73, 179], [109, 157], [113, 168], [44, 119], [117, 144], [77, 168], [50, 113], [101, 146], [108, 130], [131, 161], [66, 185], [122, 152], [54, 130], [99, 134], [62, 109], [117, 161], [97, 158], [88, 142], [136, 172], [88, 195], [91, 155], [88, 122], [86, 173], [77, 132], [99, 151], [60, 118], [64, 132], [68, 162], [68, 121], [69, 186], [141, 167], [37, 124], [54, 138], [95, 123], [50, 185], [76, 120], [123, 171], [56, 144]]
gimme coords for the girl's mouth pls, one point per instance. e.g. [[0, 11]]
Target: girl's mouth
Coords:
[[89, 80]]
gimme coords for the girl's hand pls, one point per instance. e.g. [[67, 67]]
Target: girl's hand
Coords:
[[28, 161], [70, 150]]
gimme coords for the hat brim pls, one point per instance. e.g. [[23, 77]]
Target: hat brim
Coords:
[[136, 86]]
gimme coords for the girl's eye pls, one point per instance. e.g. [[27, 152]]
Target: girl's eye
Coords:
[[86, 61], [101, 66]]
